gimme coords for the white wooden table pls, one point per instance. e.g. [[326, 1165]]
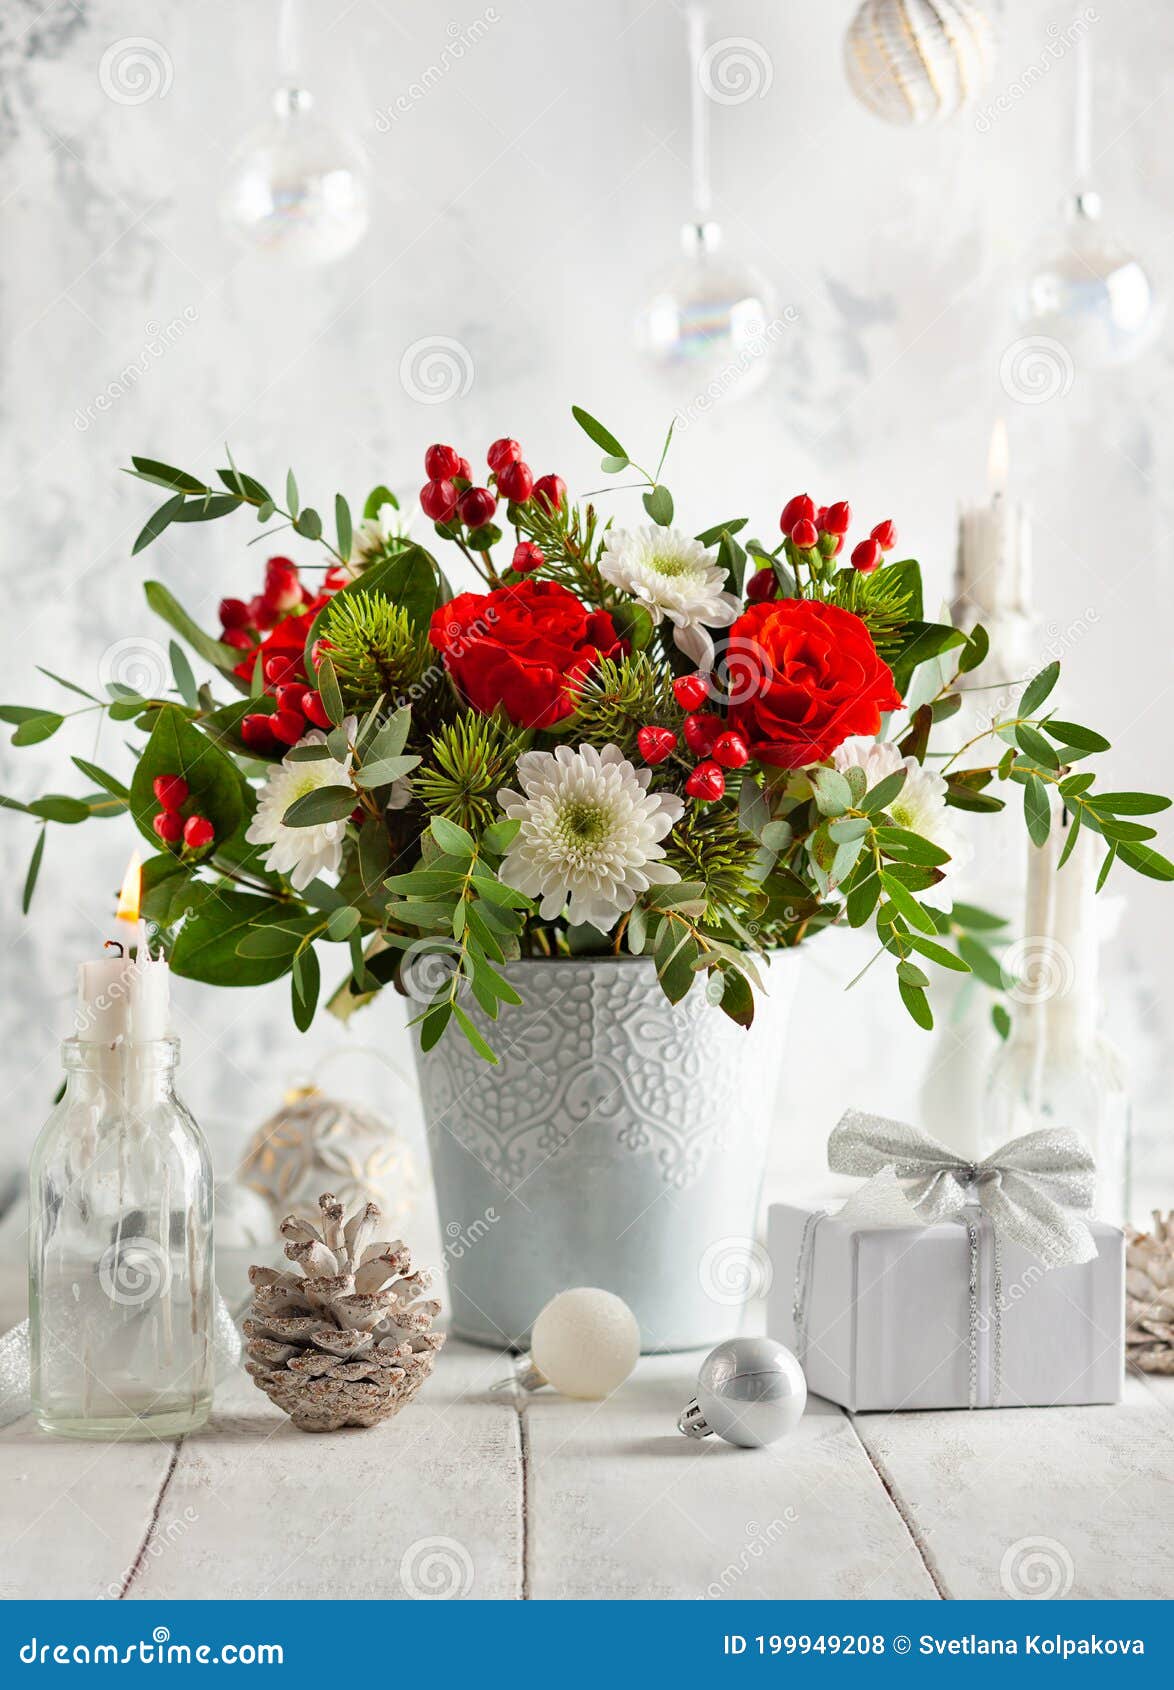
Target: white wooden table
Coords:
[[479, 1493]]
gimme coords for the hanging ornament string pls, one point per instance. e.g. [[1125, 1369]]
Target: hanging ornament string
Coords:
[[696, 32]]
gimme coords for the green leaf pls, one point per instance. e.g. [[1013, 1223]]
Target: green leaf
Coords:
[[911, 975], [658, 502], [939, 954], [156, 523], [36, 728], [1037, 811], [981, 961], [291, 493], [833, 795], [1001, 1020], [309, 524], [452, 838], [916, 1002], [884, 792], [324, 804], [217, 788], [610, 464], [305, 983], [185, 681], [969, 915], [164, 475], [1072, 833], [57, 807], [342, 923], [737, 997], [376, 499], [331, 695], [1036, 747], [978, 646], [1038, 689], [474, 1037], [594, 430], [906, 904], [1130, 803], [1146, 861], [392, 736], [1110, 859], [206, 946], [382, 773], [166, 606], [1071, 733], [343, 525], [34, 869], [208, 508], [911, 847], [244, 485], [71, 685], [711, 536], [862, 899]]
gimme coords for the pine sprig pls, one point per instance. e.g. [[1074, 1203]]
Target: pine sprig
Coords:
[[884, 602], [376, 651], [571, 540], [619, 697], [468, 761], [709, 846]]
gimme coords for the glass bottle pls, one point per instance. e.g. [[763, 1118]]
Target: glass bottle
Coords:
[[121, 1297], [1056, 1068]]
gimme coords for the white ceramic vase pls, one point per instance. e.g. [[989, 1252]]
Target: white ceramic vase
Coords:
[[619, 1142]]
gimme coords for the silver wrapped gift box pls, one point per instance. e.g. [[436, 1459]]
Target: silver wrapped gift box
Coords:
[[921, 1317]]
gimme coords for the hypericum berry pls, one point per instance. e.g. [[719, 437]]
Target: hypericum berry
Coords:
[[527, 556], [885, 534], [804, 534], [198, 832], [800, 508], [837, 518], [830, 544], [263, 613], [762, 585], [168, 826], [238, 638], [438, 500], [171, 791], [234, 613], [476, 506], [257, 734], [441, 463], [314, 710], [730, 750], [283, 584], [866, 556], [502, 453], [700, 733], [289, 697], [516, 482], [656, 744], [706, 783], [551, 492], [287, 726], [464, 470], [279, 670], [691, 691]]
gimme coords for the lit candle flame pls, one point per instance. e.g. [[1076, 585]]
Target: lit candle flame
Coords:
[[130, 896], [998, 459]]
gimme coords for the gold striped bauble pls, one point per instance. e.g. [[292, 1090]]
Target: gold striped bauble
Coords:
[[918, 61]]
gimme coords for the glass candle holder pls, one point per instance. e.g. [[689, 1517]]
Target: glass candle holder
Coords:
[[121, 1290]]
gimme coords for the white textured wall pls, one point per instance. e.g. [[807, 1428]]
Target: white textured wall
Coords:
[[521, 206]]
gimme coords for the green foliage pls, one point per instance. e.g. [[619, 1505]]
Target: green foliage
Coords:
[[621, 696], [375, 650], [466, 764], [885, 601], [709, 846]]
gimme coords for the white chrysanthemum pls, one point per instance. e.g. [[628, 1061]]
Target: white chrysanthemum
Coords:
[[301, 852], [370, 539], [591, 832], [920, 806], [673, 576]]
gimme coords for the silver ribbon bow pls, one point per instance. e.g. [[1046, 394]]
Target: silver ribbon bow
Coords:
[[1034, 1190]]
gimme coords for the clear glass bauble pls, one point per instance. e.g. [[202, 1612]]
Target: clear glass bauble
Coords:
[[1091, 295], [121, 1295], [298, 189], [711, 319]]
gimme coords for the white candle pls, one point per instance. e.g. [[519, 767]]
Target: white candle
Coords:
[[993, 575], [124, 999]]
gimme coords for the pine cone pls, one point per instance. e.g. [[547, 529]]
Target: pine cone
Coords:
[[1149, 1297], [345, 1342]]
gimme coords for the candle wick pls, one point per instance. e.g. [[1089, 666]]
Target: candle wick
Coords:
[[115, 945]]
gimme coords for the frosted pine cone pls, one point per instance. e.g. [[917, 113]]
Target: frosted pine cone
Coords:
[[1149, 1297], [345, 1340]]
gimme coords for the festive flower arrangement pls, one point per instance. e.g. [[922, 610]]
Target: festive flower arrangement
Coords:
[[686, 747]]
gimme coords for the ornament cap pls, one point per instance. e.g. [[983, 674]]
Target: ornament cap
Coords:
[[692, 1422], [701, 237]]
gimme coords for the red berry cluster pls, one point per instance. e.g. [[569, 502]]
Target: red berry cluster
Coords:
[[243, 621], [449, 494], [274, 624], [193, 831], [706, 737], [815, 534], [299, 708]]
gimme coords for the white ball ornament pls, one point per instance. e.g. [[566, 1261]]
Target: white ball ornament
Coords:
[[918, 61], [584, 1343]]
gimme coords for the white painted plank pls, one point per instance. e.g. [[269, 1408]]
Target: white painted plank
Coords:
[[256, 1508], [620, 1504], [1079, 1501], [75, 1515]]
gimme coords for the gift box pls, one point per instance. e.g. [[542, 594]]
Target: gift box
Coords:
[[944, 1315]]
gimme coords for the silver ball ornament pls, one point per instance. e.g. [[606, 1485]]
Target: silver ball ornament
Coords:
[[750, 1391]]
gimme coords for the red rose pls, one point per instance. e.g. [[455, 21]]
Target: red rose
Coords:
[[523, 647], [803, 677]]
